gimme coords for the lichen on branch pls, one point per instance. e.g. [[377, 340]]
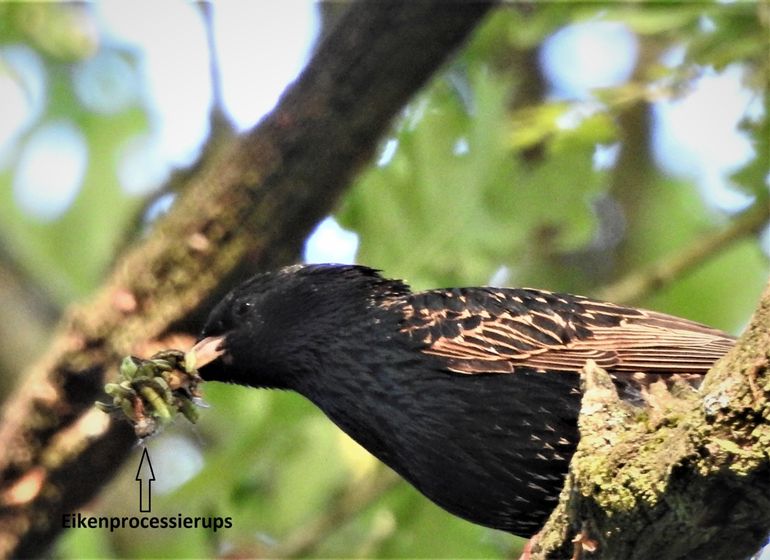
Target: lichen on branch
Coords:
[[687, 476]]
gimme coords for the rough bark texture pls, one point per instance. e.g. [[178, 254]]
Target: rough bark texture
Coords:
[[258, 196], [687, 478]]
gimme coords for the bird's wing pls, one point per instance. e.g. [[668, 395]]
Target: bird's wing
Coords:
[[489, 330]]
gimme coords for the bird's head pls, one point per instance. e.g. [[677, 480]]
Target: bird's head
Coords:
[[280, 325]]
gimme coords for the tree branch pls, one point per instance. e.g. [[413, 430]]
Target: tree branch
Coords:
[[640, 284], [351, 501], [685, 478], [34, 316], [259, 195]]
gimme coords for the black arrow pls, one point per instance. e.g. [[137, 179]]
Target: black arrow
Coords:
[[145, 473]]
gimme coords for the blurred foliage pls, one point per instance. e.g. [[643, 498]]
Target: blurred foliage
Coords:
[[476, 180], [72, 251]]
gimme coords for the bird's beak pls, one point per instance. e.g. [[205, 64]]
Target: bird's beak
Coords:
[[208, 350]]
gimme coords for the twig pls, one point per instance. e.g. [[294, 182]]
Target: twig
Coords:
[[30, 315], [221, 132], [640, 284], [353, 500], [218, 120]]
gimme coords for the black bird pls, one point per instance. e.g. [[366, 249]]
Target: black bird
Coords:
[[470, 394]]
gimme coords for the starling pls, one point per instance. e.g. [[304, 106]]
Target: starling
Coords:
[[471, 394]]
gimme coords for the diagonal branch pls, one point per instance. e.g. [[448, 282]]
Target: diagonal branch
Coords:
[[639, 284], [351, 501], [258, 195], [34, 314]]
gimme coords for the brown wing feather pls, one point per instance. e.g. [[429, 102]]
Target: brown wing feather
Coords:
[[487, 330]]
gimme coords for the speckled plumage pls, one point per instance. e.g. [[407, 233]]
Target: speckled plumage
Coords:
[[470, 394]]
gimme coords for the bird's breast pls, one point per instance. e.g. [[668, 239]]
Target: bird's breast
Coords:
[[493, 449]]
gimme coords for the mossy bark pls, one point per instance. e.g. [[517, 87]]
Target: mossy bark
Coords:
[[686, 478]]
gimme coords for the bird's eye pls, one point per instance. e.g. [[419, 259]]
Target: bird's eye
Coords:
[[243, 308]]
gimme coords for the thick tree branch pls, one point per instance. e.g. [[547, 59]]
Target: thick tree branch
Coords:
[[260, 194], [686, 478]]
